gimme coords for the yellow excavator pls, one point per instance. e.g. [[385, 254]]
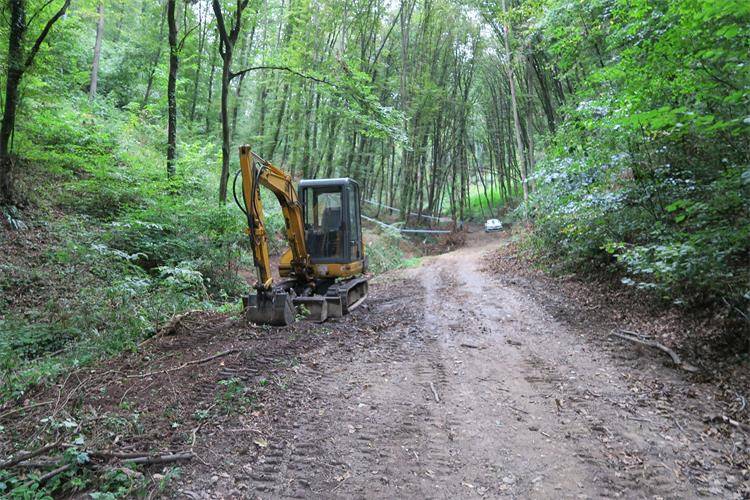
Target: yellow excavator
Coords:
[[325, 264]]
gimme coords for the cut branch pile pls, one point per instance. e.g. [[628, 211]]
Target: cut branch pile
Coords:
[[23, 460]]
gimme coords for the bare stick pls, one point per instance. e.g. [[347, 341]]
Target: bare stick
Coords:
[[518, 409], [161, 459], [434, 392], [652, 343], [22, 408], [53, 473], [185, 365], [198, 429], [31, 454], [38, 464], [142, 458]]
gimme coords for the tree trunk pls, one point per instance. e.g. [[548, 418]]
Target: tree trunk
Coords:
[[97, 52], [203, 30], [210, 90], [13, 80], [172, 90], [228, 38], [236, 108], [516, 118], [9, 117], [155, 62], [530, 122], [225, 132], [244, 55], [279, 119]]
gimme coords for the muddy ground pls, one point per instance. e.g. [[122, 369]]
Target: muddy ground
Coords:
[[451, 382]]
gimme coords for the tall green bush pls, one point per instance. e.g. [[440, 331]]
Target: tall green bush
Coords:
[[650, 169]]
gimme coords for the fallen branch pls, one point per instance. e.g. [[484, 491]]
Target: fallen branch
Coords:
[[54, 473], [161, 459], [518, 409], [185, 365], [22, 408], [22, 457], [140, 457], [652, 343], [38, 464], [471, 346], [49, 475], [434, 392], [196, 430]]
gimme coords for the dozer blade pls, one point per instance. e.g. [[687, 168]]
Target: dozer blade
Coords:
[[274, 309], [356, 293], [313, 308], [346, 296]]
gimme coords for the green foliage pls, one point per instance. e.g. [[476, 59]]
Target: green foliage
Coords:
[[385, 253], [125, 248], [483, 204], [649, 169], [233, 395]]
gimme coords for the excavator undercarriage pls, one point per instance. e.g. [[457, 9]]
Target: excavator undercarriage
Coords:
[[282, 306]]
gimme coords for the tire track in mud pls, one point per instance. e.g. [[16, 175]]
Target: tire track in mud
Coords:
[[327, 435]]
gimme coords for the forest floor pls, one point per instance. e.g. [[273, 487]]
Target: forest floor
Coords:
[[450, 382]]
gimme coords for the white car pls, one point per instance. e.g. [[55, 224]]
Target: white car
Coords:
[[493, 225]]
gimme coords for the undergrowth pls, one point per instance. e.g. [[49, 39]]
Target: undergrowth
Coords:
[[385, 253], [109, 248]]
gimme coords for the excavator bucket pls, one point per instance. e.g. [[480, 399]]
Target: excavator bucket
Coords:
[[274, 309]]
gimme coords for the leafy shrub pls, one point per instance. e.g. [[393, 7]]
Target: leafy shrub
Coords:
[[648, 172], [201, 235]]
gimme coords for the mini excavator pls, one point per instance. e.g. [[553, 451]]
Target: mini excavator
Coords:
[[323, 269]]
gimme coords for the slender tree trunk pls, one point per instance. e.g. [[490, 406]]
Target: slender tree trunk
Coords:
[[279, 120], [516, 118], [247, 44], [201, 45], [330, 147], [172, 90], [530, 121], [314, 159], [97, 52], [262, 94], [236, 108], [225, 132], [155, 62], [210, 90]]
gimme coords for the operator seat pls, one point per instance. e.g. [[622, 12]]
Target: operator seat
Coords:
[[331, 224]]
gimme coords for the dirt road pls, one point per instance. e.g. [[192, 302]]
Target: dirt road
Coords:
[[449, 384]]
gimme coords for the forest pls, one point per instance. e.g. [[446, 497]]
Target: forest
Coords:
[[613, 135]]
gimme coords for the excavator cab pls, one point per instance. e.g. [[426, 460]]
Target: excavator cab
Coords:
[[333, 232]]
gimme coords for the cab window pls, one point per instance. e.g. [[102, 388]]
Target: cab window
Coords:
[[323, 222]]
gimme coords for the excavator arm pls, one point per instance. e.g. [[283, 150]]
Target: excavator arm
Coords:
[[259, 172]]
